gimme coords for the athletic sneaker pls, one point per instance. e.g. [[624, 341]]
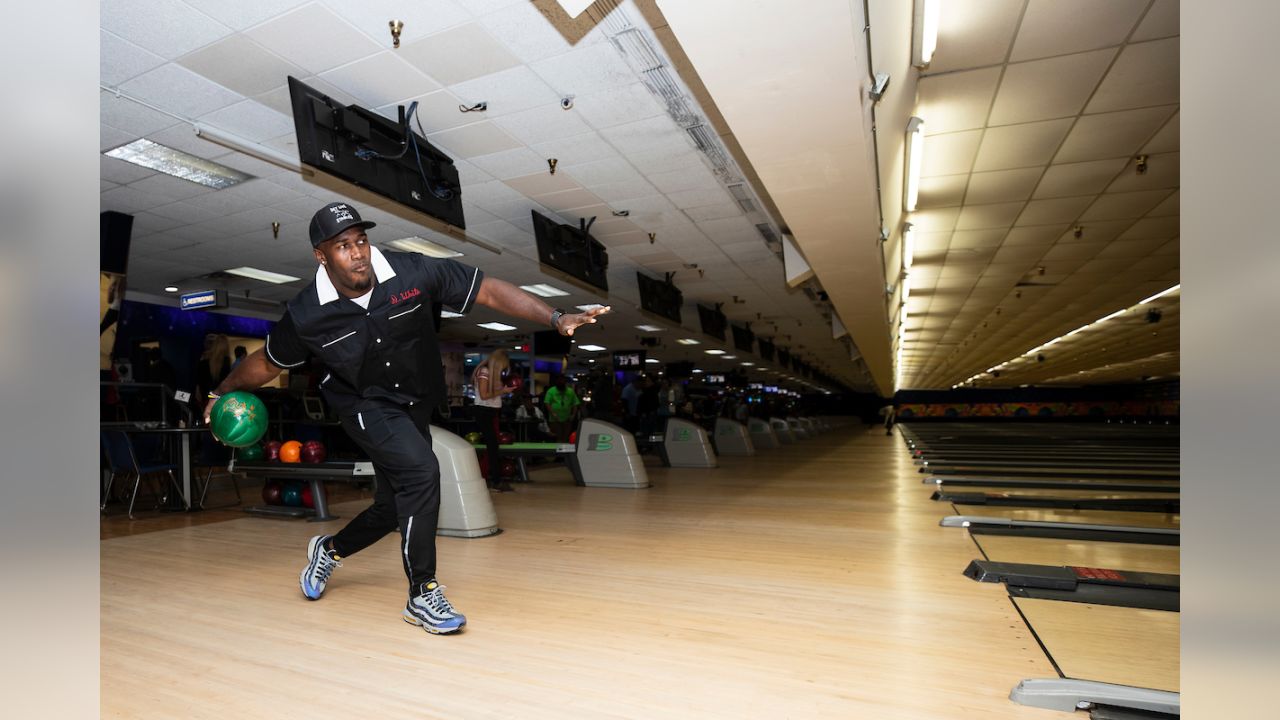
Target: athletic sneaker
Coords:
[[320, 564], [432, 611]]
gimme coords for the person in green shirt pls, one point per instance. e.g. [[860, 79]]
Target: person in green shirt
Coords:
[[562, 409]]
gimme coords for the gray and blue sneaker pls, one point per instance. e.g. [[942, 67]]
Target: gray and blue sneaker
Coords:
[[320, 564], [432, 612]]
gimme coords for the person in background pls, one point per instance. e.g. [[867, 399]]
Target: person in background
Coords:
[[888, 413], [528, 411], [562, 409], [631, 401], [241, 352], [213, 368], [490, 383]]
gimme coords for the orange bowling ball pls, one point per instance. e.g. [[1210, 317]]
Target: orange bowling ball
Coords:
[[291, 452]]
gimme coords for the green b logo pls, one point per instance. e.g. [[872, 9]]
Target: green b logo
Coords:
[[599, 441], [683, 435]]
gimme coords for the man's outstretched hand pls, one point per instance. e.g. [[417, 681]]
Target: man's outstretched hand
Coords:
[[568, 323]]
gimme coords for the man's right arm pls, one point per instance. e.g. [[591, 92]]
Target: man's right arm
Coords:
[[253, 372]]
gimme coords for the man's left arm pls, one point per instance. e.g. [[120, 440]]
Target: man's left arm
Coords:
[[511, 300]]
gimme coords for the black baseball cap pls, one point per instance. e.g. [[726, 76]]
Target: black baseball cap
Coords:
[[332, 219]]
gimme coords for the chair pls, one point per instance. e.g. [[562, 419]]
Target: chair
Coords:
[[122, 459]]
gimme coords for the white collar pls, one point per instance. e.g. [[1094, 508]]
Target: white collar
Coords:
[[327, 293]]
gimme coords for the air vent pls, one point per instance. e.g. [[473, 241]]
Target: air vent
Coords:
[[770, 237], [743, 197]]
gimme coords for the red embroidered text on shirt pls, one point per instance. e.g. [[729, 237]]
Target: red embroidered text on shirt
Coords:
[[406, 295]]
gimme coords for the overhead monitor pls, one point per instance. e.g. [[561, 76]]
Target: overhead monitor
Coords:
[[381, 155], [743, 338], [571, 253], [660, 297], [713, 321]]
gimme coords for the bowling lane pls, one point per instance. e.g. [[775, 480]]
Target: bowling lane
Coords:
[[1124, 646], [1100, 517], [1085, 553]]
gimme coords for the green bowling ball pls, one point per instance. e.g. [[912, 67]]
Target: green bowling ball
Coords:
[[474, 437], [238, 419], [252, 453]]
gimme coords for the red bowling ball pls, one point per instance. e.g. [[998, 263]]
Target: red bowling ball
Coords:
[[308, 498], [509, 468], [313, 452], [271, 491], [506, 438], [514, 383], [271, 450]]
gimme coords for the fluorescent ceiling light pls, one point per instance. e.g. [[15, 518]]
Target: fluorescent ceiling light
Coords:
[[424, 247], [749, 364], [496, 326], [1161, 294], [908, 254], [730, 357], [649, 328], [924, 33], [592, 348], [170, 288], [696, 370], [449, 314], [715, 352], [653, 361], [1115, 314], [544, 290], [915, 159], [585, 308], [169, 161], [689, 341], [263, 275]]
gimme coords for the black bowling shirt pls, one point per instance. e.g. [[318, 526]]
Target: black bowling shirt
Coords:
[[387, 352]]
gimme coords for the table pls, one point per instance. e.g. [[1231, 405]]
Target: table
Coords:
[[184, 433]]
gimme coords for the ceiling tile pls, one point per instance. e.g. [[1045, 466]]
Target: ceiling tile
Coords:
[[677, 180], [541, 124], [973, 239], [1074, 251], [956, 101], [1001, 186], [420, 19], [950, 153], [577, 149], [250, 120], [167, 187], [510, 163], [1074, 179], [1145, 74], [978, 217], [380, 79], [940, 220], [1056, 28], [698, 198], [1118, 206], [1167, 140], [599, 172], [1109, 135], [179, 90], [1095, 231], [530, 34], [507, 92], [1169, 207], [616, 105], [293, 37], [623, 193], [655, 134], [1162, 172], [1020, 146], [458, 54], [1051, 88], [168, 28], [567, 200], [942, 191], [1149, 228], [241, 14], [110, 137], [1018, 254], [1137, 248], [974, 33], [542, 183], [585, 70], [1161, 21], [121, 60], [470, 141], [131, 117], [1041, 235], [1058, 210], [240, 64]]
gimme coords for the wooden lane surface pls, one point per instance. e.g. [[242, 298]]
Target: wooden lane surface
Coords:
[[1126, 646], [808, 581], [1101, 517], [1134, 557]]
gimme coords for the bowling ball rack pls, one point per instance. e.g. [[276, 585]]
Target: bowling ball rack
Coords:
[[313, 474]]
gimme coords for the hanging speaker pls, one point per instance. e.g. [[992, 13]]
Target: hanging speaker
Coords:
[[116, 229]]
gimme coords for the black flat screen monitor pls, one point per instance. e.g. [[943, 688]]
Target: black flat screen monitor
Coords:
[[572, 252], [766, 349], [679, 370], [713, 321], [660, 297], [378, 154], [743, 338], [628, 360], [549, 343]]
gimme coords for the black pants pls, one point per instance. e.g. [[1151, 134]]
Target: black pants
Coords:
[[396, 439], [487, 425]]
